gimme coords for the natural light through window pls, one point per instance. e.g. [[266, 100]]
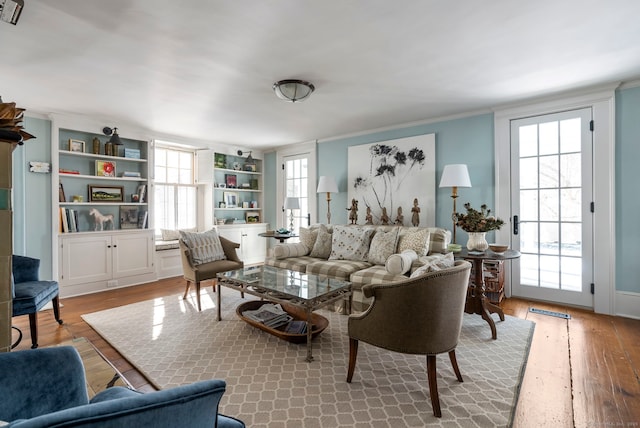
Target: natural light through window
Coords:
[[158, 318]]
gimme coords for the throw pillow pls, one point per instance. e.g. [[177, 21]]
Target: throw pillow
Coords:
[[308, 237], [416, 240], [283, 251], [205, 247], [350, 243], [322, 247], [173, 235], [444, 262], [399, 264], [383, 245]]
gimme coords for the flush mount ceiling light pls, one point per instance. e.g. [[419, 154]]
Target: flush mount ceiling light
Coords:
[[293, 90], [10, 10]]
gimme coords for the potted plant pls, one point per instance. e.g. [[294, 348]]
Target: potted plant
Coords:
[[477, 224]]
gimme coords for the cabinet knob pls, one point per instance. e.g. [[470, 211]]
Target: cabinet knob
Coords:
[[108, 246]]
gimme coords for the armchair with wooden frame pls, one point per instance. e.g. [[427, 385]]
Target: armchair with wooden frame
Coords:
[[208, 271], [421, 315]]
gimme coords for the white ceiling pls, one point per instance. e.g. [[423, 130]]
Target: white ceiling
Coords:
[[204, 69]]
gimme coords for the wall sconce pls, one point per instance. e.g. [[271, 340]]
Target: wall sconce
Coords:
[[114, 141]]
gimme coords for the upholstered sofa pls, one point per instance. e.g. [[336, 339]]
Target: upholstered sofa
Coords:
[[361, 254]]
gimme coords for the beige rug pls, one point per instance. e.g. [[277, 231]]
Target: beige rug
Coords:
[[269, 384]]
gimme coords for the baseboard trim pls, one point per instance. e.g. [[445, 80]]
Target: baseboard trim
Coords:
[[628, 304]]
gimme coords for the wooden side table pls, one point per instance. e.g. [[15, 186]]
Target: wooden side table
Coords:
[[477, 302], [278, 236]]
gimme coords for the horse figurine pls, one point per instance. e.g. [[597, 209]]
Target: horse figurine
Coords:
[[100, 219]]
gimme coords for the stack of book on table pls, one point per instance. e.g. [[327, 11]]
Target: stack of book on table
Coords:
[[269, 314]]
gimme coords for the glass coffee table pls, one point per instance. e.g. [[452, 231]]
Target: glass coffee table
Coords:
[[300, 290]]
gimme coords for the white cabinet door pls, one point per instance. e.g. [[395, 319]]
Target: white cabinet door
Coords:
[[132, 254], [85, 259], [253, 248]]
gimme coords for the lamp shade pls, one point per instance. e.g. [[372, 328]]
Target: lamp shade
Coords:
[[292, 90], [291, 203], [455, 175], [327, 184]]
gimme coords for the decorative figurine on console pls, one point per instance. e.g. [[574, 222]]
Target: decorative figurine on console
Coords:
[[353, 211], [400, 217], [415, 218], [369, 216], [100, 219], [384, 218]]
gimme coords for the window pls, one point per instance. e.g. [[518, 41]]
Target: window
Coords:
[[175, 191]]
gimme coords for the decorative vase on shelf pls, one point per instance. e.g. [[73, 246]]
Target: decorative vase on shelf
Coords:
[[477, 241]]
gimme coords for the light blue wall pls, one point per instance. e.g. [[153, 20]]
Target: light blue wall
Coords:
[[32, 234], [627, 199], [468, 140]]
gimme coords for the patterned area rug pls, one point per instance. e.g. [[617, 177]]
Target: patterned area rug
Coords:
[[269, 383]]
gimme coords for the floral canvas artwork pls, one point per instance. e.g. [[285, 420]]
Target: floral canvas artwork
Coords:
[[388, 175]]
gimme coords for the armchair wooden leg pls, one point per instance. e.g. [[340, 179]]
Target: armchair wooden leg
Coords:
[[433, 385], [454, 364], [198, 295], [353, 353], [186, 291], [33, 326], [56, 309]]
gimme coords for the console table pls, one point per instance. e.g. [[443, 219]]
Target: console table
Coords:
[[477, 302]]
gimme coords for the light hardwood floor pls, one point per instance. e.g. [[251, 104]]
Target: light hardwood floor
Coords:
[[582, 372]]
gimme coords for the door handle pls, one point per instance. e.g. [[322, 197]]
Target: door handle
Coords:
[[516, 224], [308, 219]]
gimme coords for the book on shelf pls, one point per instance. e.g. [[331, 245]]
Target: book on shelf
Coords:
[[131, 153], [143, 219], [132, 174], [73, 227], [68, 171], [142, 193], [64, 222]]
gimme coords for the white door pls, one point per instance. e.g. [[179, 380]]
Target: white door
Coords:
[[551, 194]]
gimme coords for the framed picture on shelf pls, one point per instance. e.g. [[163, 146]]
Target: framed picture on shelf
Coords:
[[105, 168], [231, 199], [252, 217], [231, 181], [76, 145], [99, 193], [220, 160], [128, 217]]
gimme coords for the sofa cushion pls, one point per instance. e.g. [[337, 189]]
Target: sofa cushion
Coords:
[[308, 237], [414, 239], [339, 269], [283, 251], [173, 235], [299, 264], [373, 275], [350, 243], [322, 247], [383, 244], [205, 247], [439, 263], [398, 264]]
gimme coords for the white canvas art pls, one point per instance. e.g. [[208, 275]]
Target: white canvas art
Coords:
[[392, 174]]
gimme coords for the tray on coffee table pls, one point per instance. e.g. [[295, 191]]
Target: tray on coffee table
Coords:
[[319, 323]]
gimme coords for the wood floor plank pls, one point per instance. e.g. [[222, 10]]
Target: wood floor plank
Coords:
[[606, 390], [547, 381]]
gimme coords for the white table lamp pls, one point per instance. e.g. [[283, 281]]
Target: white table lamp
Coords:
[[327, 185], [455, 176], [291, 203]]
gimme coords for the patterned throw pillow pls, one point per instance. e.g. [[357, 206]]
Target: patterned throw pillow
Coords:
[[416, 240], [383, 245], [399, 264], [444, 262], [322, 247], [308, 237], [205, 247], [350, 243]]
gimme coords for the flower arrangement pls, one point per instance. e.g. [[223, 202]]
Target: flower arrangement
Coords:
[[477, 221]]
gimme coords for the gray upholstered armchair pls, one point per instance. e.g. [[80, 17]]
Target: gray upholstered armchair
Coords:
[[202, 272], [422, 316], [46, 387]]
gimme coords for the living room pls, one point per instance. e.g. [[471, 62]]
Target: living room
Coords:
[[469, 133]]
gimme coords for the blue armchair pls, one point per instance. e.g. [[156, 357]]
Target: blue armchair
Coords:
[[30, 294], [46, 387]]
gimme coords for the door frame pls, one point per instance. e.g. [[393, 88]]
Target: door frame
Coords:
[[602, 103], [291, 150]]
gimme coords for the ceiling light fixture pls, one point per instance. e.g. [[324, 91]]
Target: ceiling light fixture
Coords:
[[293, 90]]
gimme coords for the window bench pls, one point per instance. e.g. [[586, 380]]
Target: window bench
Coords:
[[168, 263]]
